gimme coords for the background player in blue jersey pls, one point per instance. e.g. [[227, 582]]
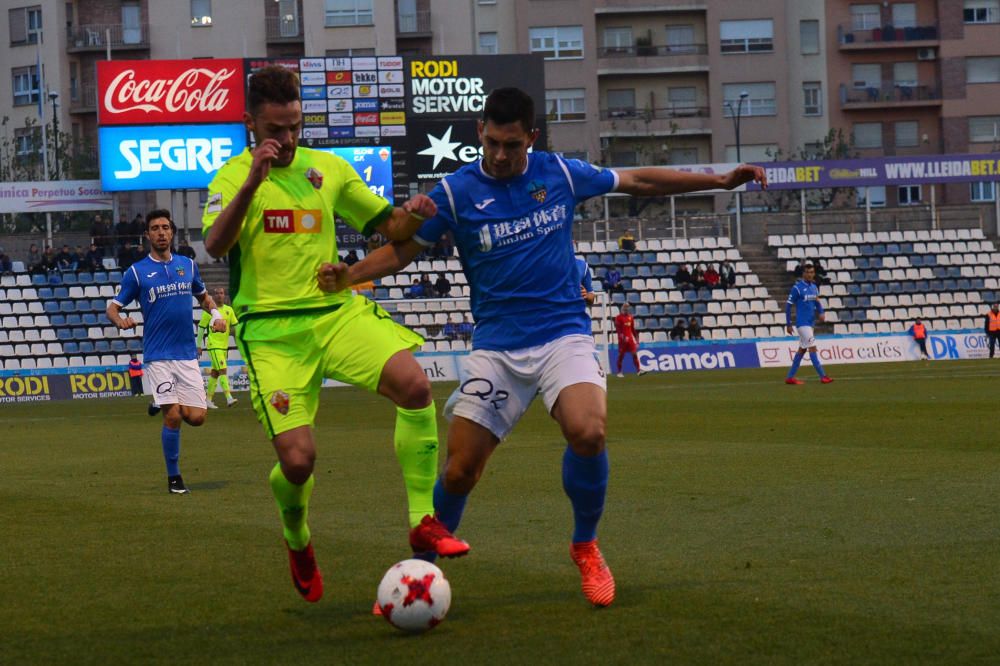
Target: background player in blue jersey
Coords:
[[511, 215], [163, 283], [805, 297]]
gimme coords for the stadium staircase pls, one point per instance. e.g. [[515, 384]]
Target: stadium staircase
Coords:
[[764, 263]]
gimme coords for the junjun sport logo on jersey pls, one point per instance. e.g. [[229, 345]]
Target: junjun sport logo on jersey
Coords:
[[536, 189], [315, 178]]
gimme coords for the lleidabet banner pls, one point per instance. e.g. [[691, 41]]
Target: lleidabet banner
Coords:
[[46, 197]]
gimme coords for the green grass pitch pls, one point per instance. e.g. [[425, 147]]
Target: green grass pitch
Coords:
[[747, 522]]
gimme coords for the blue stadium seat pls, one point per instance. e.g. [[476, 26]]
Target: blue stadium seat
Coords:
[[649, 257], [632, 297], [85, 278], [859, 315], [867, 288], [89, 319], [100, 277], [86, 346], [861, 262], [50, 307], [659, 270], [978, 283], [704, 294], [657, 309], [642, 310], [854, 289], [57, 320], [892, 248], [73, 319], [875, 262], [850, 302], [871, 276], [896, 288], [936, 285], [690, 295], [60, 293], [645, 272], [64, 334], [670, 308], [102, 346], [864, 301], [69, 278], [906, 248], [684, 309], [865, 249], [98, 305], [882, 287], [67, 306], [607, 260], [879, 250], [964, 284], [621, 258], [930, 260], [629, 271], [71, 348], [45, 293], [921, 286], [846, 315], [118, 346], [954, 271], [115, 276], [617, 298], [80, 334], [917, 260], [701, 308], [381, 293], [134, 345], [38, 280], [951, 285]]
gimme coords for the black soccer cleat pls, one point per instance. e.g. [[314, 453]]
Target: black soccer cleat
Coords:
[[175, 485], [153, 409]]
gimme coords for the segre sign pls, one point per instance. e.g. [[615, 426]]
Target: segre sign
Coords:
[[174, 91], [166, 157]]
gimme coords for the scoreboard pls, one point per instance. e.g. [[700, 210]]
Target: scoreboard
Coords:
[[373, 164]]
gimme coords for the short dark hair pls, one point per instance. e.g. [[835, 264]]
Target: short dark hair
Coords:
[[158, 213], [274, 84], [510, 105]]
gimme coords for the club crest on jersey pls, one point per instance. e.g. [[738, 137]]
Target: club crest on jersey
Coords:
[[536, 189], [179, 271], [280, 400], [314, 177]]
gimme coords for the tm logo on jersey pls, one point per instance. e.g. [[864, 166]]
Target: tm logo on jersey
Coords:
[[293, 221], [540, 223]]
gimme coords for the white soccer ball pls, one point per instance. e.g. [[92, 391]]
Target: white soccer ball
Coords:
[[414, 595]]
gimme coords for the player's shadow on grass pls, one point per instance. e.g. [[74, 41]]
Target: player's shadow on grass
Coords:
[[207, 485]]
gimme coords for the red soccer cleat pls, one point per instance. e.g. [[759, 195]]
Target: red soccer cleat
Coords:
[[596, 579], [794, 381], [827, 379], [305, 574], [432, 536]]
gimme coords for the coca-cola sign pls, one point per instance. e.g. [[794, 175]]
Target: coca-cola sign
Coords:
[[138, 92]]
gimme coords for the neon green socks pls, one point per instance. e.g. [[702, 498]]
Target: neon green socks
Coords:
[[210, 391], [293, 504], [224, 385], [416, 443]]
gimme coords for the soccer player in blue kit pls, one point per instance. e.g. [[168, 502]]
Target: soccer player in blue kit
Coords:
[[805, 297], [511, 215], [164, 283]]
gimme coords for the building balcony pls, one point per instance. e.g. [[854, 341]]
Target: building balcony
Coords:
[[889, 95], [84, 100], [612, 60], [98, 37], [677, 119], [646, 7], [414, 24], [851, 38], [284, 29]]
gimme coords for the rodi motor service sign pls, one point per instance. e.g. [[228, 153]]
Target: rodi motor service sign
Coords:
[[139, 92]]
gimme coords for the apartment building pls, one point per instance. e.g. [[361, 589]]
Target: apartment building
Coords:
[[629, 82]]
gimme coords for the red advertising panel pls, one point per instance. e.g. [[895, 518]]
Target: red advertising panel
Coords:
[[136, 92]]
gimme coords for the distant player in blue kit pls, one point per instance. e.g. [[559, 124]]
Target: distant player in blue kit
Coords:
[[511, 215], [163, 283], [805, 297]]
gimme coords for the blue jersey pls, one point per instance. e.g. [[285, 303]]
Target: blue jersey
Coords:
[[586, 281], [164, 291], [805, 297], [514, 239]]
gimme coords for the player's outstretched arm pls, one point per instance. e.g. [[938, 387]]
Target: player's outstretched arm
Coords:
[[113, 313], [386, 260], [226, 228], [660, 181], [406, 220]]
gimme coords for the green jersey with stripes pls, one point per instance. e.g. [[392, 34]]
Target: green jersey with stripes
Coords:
[[288, 231]]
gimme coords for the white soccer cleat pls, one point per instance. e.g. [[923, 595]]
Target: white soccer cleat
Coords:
[[212, 405], [231, 401]]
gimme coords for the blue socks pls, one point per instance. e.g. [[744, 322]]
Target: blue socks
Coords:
[[171, 440], [814, 357], [585, 481], [795, 364]]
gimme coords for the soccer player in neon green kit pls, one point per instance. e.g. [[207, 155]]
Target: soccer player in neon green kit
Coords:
[[272, 210], [217, 347]]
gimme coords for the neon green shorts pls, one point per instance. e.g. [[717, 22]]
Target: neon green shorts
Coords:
[[288, 357], [218, 359]]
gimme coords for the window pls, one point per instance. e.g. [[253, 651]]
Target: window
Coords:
[[904, 74], [908, 195], [24, 141], [487, 43], [562, 105], [683, 156], [201, 13], [25, 85], [618, 40], [982, 11], [621, 103], [624, 158], [754, 152], [487, 2], [984, 128], [680, 38], [907, 133], [347, 53], [683, 100], [574, 155], [904, 15], [876, 194], [983, 191], [809, 37], [747, 36], [865, 17], [982, 70], [25, 25], [812, 93], [758, 102], [866, 76], [557, 43], [348, 12], [867, 135]]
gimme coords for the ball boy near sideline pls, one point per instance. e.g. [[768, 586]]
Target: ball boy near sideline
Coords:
[[163, 283], [511, 215], [272, 210]]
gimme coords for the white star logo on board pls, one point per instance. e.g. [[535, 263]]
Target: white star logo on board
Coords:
[[443, 148]]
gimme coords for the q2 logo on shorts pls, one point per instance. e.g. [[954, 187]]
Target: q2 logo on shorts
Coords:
[[483, 389]]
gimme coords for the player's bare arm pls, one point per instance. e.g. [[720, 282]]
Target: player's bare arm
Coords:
[[387, 260], [406, 220], [658, 181], [208, 305], [226, 229], [588, 296], [113, 313]]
